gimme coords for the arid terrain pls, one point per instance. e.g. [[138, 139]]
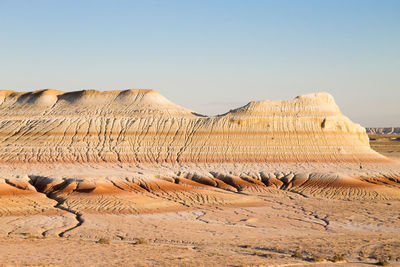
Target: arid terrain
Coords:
[[385, 141], [127, 178]]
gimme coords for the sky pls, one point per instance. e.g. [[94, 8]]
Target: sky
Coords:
[[210, 56]]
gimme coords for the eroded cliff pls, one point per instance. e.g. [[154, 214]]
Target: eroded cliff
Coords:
[[141, 126], [134, 151]]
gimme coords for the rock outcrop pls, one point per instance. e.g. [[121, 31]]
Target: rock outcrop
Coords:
[[141, 126], [384, 131], [149, 154]]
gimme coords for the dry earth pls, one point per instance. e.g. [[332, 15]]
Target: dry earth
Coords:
[[282, 225], [388, 145], [128, 178]]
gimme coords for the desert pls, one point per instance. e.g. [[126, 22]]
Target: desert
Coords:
[[127, 177], [385, 141], [199, 133]]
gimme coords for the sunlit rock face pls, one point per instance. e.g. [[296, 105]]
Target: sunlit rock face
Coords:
[[134, 151], [141, 126]]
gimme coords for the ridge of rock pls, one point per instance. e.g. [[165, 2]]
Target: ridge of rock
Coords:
[[142, 126], [133, 151], [52, 102]]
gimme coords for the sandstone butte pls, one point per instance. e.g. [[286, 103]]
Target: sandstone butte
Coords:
[[134, 151]]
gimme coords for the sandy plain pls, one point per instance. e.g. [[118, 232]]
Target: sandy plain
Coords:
[[281, 228], [284, 229], [388, 145]]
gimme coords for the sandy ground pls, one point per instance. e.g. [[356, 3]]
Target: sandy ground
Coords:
[[286, 224], [388, 145], [283, 229]]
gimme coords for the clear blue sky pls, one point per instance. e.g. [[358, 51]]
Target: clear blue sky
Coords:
[[210, 56]]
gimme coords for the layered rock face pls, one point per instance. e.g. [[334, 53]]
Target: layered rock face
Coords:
[[141, 126], [384, 131], [134, 151]]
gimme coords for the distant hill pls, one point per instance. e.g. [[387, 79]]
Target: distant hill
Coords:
[[385, 130]]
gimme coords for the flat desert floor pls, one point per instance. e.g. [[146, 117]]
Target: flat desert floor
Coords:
[[286, 230], [283, 229], [388, 145]]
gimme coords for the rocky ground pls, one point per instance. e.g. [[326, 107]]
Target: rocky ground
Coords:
[[286, 229]]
